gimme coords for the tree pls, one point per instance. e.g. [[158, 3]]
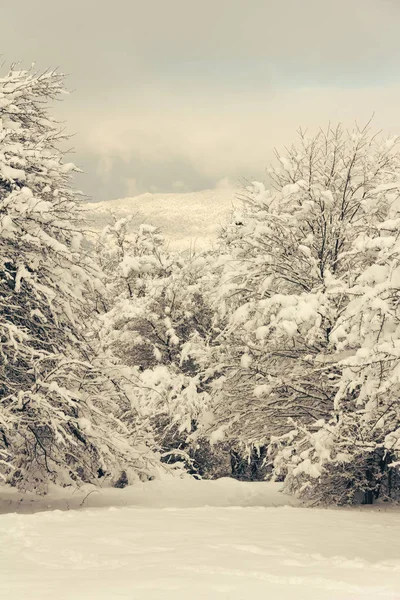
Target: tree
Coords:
[[288, 262], [155, 310], [355, 455], [59, 404]]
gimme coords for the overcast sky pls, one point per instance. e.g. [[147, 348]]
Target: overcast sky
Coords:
[[191, 94]]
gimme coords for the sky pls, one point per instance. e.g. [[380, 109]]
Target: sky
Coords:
[[174, 95]]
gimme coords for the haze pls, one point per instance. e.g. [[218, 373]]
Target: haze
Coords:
[[184, 95]]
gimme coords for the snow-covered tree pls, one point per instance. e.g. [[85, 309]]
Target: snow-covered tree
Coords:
[[355, 455], [154, 298], [155, 313], [59, 409], [285, 268]]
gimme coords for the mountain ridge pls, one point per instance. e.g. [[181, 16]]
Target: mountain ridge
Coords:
[[185, 218]]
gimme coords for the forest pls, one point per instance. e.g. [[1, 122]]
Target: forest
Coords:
[[273, 355]]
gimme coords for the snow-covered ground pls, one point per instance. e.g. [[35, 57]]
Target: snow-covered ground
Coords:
[[193, 540], [186, 219]]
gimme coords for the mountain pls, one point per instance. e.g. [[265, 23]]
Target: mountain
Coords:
[[190, 219]]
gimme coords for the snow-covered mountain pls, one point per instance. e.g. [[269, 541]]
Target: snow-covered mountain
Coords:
[[186, 219]]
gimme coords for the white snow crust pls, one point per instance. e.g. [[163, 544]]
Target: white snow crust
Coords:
[[185, 539]]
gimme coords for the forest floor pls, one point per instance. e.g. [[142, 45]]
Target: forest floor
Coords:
[[186, 539]]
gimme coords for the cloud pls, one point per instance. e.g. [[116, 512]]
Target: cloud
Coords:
[[201, 91], [179, 186], [124, 39], [219, 139], [131, 186], [225, 184]]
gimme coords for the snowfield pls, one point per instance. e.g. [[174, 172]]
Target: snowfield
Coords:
[[184, 539]]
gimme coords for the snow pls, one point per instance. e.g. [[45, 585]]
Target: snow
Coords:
[[186, 219], [186, 539], [9, 173], [165, 492]]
